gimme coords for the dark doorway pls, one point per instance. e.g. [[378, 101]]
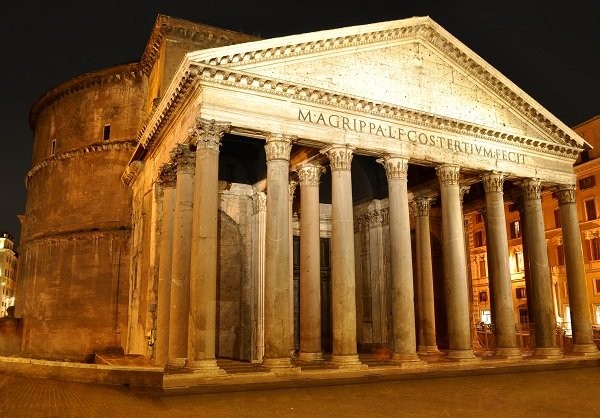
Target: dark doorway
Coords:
[[326, 334]]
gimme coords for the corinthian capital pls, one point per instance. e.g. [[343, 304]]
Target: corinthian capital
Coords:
[[207, 134], [493, 182], [183, 157], [292, 188], [167, 175], [278, 147], [532, 189], [566, 193], [395, 167], [340, 157], [310, 173], [448, 175], [421, 206], [259, 202]]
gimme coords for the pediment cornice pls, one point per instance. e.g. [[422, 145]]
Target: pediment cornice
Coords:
[[422, 29], [185, 30], [230, 77]]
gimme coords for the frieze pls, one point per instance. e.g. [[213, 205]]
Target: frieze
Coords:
[[493, 182], [340, 157], [223, 75], [207, 134], [278, 147], [310, 173], [566, 194], [319, 96]]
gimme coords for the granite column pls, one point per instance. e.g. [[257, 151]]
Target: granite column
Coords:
[[207, 136], [455, 267]]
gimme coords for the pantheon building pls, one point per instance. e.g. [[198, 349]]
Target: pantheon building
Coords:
[[291, 200]]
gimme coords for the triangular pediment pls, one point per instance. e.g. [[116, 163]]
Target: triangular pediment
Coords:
[[411, 64]]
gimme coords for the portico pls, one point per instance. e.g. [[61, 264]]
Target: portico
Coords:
[[368, 140]]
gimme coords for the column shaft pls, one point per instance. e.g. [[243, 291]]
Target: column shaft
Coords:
[[167, 179], [581, 323], [182, 246], [203, 269], [403, 302], [310, 265], [426, 307], [498, 267], [259, 204], [343, 284], [278, 334], [292, 189], [541, 293], [455, 266]]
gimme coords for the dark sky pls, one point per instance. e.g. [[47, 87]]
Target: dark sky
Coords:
[[550, 49]]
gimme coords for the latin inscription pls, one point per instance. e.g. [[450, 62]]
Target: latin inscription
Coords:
[[409, 134]]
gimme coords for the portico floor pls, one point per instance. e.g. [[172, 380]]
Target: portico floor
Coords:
[[250, 376], [136, 371]]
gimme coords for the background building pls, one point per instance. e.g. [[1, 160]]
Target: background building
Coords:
[[8, 274]]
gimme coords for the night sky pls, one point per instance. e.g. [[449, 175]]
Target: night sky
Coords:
[[550, 49]]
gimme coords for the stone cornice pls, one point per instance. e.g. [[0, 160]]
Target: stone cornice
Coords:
[[588, 167], [424, 29], [79, 235], [178, 91], [98, 147], [189, 31], [309, 94], [131, 172], [93, 79]]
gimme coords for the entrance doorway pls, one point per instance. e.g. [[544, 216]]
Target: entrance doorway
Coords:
[[325, 257]]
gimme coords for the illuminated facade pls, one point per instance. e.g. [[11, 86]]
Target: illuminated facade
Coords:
[[8, 274], [587, 169], [297, 196]]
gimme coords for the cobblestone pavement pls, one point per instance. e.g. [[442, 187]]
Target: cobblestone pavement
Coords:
[[555, 393]]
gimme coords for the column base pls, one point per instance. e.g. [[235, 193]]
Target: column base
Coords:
[[587, 350], [408, 360], [303, 356], [462, 355], [178, 363], [429, 350], [205, 367], [279, 365], [347, 361], [547, 353], [507, 353]]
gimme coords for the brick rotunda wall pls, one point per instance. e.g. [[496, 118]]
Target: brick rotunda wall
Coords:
[[73, 277]]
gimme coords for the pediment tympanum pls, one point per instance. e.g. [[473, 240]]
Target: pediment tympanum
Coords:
[[413, 64]]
